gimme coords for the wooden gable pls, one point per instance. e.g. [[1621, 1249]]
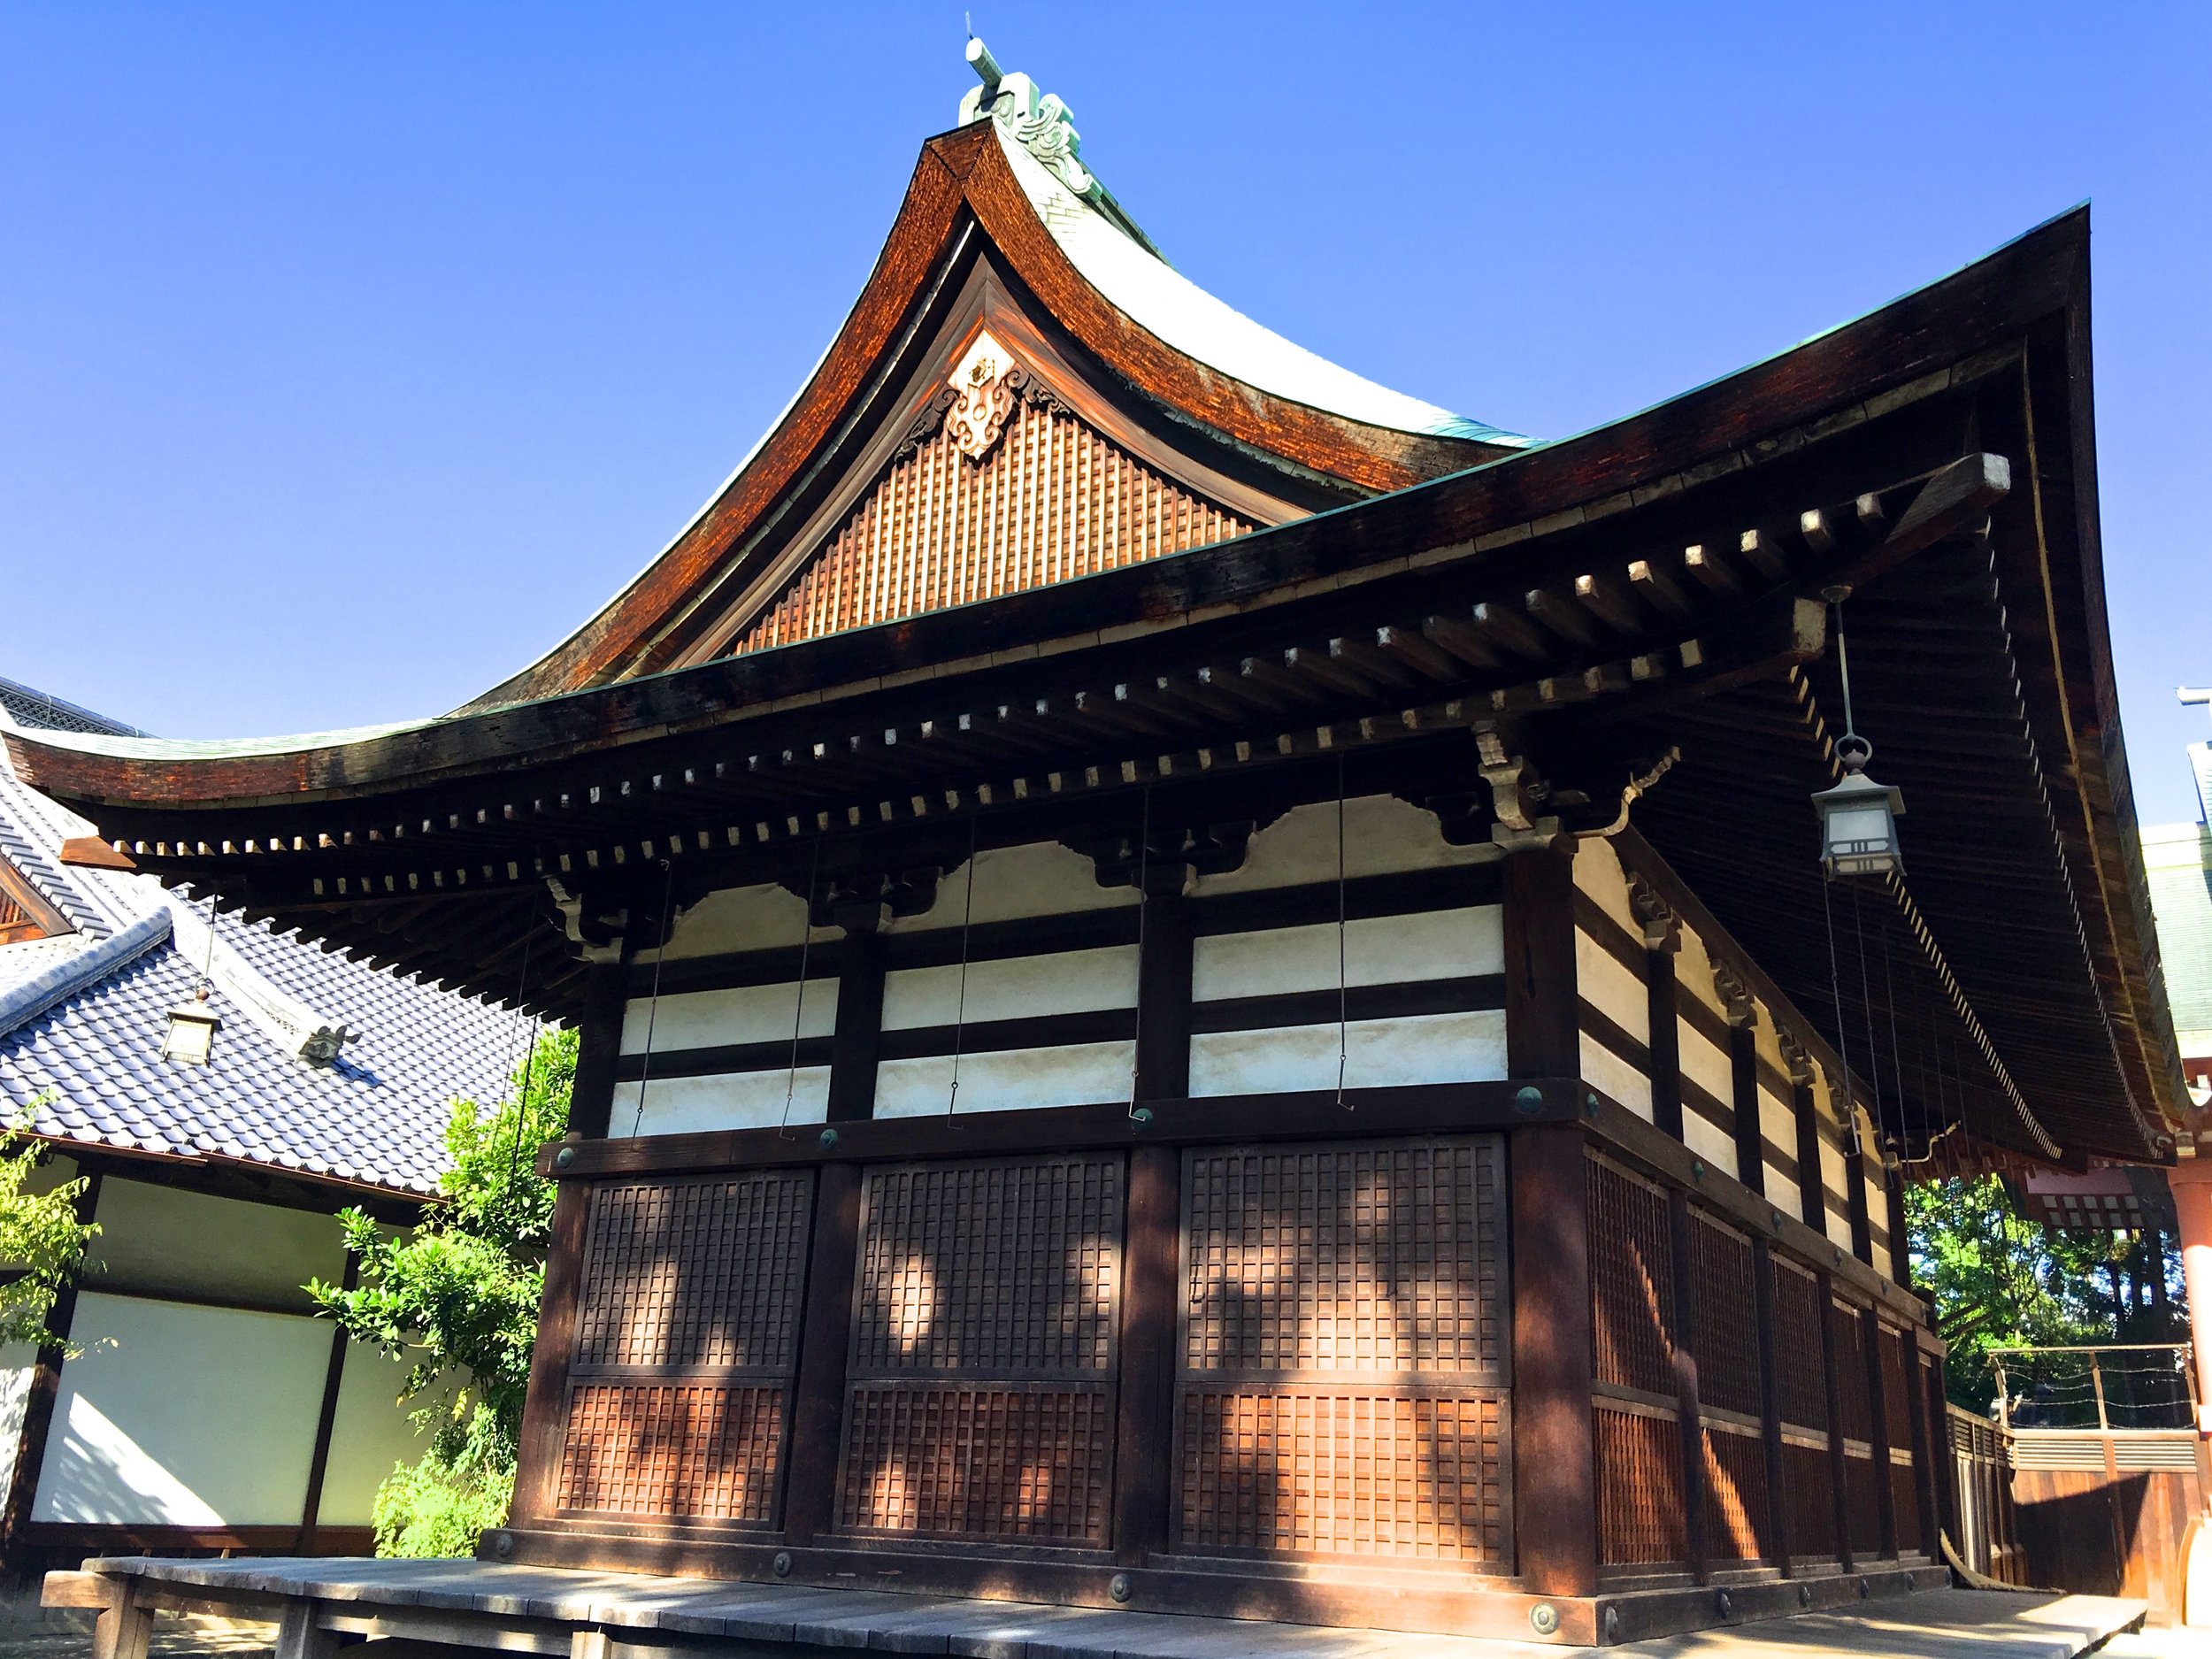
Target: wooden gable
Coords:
[[1047, 498], [24, 914]]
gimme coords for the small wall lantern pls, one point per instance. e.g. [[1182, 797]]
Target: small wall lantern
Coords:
[[1858, 817], [192, 1028]]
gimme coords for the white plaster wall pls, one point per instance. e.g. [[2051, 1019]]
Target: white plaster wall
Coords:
[[1706, 1063], [1710, 1141], [1606, 983], [1598, 874], [1013, 883], [184, 1415], [1602, 1069], [1464, 1048], [1383, 836], [743, 1013], [1011, 987], [17, 1361], [1693, 972], [1834, 1179], [369, 1436], [1076, 1074], [729, 1100], [1377, 950], [1877, 1209], [1784, 1193], [1777, 1122], [164, 1239], [766, 918]]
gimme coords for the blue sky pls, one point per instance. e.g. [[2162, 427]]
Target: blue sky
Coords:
[[350, 355]]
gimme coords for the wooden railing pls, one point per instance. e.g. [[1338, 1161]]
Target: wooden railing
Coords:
[[1989, 1526]]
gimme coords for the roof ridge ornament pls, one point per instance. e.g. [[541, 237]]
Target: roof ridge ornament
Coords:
[[1039, 122]]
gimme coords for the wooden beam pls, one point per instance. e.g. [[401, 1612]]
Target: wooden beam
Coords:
[[817, 1404], [545, 1404], [325, 1422], [1555, 1443], [598, 1047], [856, 1043], [1542, 1022], [1144, 1472]]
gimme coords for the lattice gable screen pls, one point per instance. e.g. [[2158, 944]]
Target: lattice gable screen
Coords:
[[1049, 499]]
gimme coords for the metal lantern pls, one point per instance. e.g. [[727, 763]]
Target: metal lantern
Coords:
[[192, 1028], [1858, 817]]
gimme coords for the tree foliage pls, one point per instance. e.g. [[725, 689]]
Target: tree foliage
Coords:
[[2001, 1280], [41, 1241], [456, 1297]]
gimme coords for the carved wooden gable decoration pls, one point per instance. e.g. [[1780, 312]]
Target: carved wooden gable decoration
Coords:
[[998, 485]]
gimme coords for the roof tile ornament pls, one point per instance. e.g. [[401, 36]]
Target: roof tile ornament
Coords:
[[1039, 122]]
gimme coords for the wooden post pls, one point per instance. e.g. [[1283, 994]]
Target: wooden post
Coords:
[[545, 1406], [325, 1423], [1899, 1247], [1666, 1037], [1839, 1470], [1812, 1183], [1743, 1074], [1555, 1451], [817, 1405], [1145, 1425], [598, 1042], [39, 1400], [124, 1627], [1878, 1429], [859, 1033], [1854, 1186], [1766, 1328], [1164, 987], [1688, 1413], [1942, 1456], [299, 1637]]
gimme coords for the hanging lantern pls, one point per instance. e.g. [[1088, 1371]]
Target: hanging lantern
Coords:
[[191, 1031], [1858, 817]]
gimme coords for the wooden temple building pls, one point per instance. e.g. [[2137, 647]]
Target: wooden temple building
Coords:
[[1208, 989]]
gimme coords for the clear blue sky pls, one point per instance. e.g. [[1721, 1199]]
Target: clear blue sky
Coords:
[[349, 356]]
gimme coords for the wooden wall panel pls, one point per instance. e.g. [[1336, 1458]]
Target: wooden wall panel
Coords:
[[1342, 1383], [1807, 1476], [686, 1339], [1051, 500], [980, 1387], [1642, 1517]]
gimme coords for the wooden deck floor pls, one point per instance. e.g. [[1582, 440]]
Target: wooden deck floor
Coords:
[[619, 1615]]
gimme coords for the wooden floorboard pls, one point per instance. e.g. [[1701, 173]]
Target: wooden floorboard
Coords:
[[1933, 1625]]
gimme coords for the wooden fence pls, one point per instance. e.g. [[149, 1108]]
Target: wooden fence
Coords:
[[1989, 1526]]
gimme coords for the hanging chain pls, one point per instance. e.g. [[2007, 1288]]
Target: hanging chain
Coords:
[[653, 1009], [960, 1002], [798, 1010]]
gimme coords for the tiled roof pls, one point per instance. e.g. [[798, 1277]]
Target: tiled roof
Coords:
[[375, 1116], [26, 707]]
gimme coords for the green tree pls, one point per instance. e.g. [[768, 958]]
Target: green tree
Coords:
[[41, 1241], [457, 1298], [2001, 1280]]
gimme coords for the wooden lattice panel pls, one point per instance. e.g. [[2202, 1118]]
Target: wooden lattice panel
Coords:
[[1051, 500], [1727, 1325], [700, 1275], [1311, 1472], [1738, 1522], [981, 1398], [1861, 1482], [1640, 1511], [1848, 1326], [1364, 1259], [1809, 1489], [1003, 1269], [1631, 1280], [1896, 1387], [962, 1460], [1904, 1502], [676, 1451], [1800, 1368]]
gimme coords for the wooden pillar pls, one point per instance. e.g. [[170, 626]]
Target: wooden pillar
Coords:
[[325, 1423], [857, 1036], [1743, 1074], [598, 1042], [1767, 1333], [1839, 1473], [39, 1402], [1164, 987], [1878, 1428], [1899, 1247], [1942, 1455], [545, 1405], [1687, 1410], [1555, 1454], [1666, 1033], [125, 1626], [1855, 1183], [817, 1404], [1812, 1184]]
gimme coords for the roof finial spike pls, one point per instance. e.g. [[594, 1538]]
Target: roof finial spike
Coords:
[[985, 66]]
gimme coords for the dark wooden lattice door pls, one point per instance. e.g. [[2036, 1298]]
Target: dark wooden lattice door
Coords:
[[1342, 1382], [687, 1337], [979, 1400]]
